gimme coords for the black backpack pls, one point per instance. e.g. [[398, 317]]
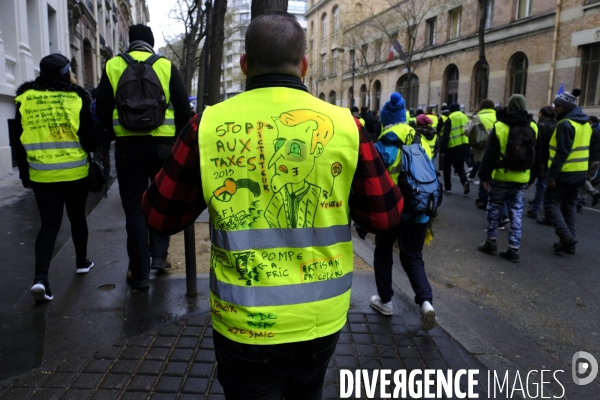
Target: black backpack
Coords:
[[520, 149], [141, 101]]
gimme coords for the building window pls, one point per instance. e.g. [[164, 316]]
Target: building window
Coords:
[[518, 74], [590, 71], [378, 49], [334, 62], [324, 30], [377, 97], [451, 84], [332, 97], [523, 8], [489, 18], [431, 25], [364, 49], [323, 65], [408, 87], [336, 19], [363, 96], [322, 96], [455, 22]]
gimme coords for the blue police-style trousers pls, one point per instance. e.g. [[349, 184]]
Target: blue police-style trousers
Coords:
[[513, 195], [136, 166]]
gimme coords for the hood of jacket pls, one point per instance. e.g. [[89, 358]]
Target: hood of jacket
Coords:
[[426, 131], [54, 84], [515, 118], [576, 115]]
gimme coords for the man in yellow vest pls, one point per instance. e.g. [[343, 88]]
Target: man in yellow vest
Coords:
[[506, 173], [139, 154], [281, 173], [54, 125], [567, 169], [454, 147]]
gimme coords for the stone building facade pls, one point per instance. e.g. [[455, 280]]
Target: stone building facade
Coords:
[[522, 53]]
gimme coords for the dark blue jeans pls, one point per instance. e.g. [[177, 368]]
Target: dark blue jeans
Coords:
[[560, 207], [273, 372], [538, 199], [136, 166], [411, 238]]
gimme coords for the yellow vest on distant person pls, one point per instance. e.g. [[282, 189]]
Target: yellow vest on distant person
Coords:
[[458, 127], [50, 121], [502, 174], [277, 166], [579, 157]]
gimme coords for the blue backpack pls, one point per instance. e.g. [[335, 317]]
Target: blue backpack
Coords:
[[418, 180]]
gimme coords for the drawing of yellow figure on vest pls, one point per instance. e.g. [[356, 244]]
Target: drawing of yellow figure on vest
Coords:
[[301, 138]]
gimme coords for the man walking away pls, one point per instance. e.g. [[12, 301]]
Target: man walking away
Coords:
[[318, 153], [140, 150], [455, 147], [594, 163], [567, 169], [546, 125], [505, 170]]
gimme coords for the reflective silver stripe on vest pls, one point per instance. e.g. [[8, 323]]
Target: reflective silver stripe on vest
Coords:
[[168, 121], [552, 147], [580, 148], [301, 293], [397, 168], [456, 136], [52, 146], [458, 127], [57, 166], [280, 237], [576, 160]]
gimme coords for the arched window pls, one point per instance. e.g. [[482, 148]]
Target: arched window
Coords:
[[336, 19], [363, 96], [450, 84], [479, 83], [376, 95], [324, 29], [322, 96], [351, 97], [88, 65], [332, 97], [518, 74], [408, 87]]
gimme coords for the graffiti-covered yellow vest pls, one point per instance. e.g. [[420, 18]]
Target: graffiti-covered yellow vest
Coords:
[[115, 68], [277, 165], [50, 123], [579, 156], [458, 126], [406, 134], [509, 175]]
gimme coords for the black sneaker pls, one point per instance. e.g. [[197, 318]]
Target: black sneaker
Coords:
[[566, 246], [159, 263], [596, 199], [532, 214], [511, 254], [85, 268], [40, 290], [489, 246], [137, 284], [544, 221], [467, 187]]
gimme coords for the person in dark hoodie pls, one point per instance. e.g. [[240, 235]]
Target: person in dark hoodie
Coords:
[[567, 169], [505, 185], [367, 116], [588, 187], [455, 147], [54, 123], [546, 125], [140, 155]]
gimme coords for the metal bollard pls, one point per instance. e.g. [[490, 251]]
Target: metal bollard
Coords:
[[189, 242]]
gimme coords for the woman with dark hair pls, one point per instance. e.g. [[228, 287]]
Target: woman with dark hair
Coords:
[[56, 133]]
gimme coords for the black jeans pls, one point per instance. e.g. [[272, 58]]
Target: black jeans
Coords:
[[273, 372], [102, 155], [459, 167], [411, 238], [51, 199], [136, 166], [560, 207]]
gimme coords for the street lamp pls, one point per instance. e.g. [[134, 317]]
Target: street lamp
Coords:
[[352, 100]]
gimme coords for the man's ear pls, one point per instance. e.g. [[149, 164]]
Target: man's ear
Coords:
[[319, 148], [304, 65], [244, 63]]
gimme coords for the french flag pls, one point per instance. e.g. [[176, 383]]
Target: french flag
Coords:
[[396, 51]]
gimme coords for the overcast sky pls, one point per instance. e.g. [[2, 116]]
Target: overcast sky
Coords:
[[160, 22]]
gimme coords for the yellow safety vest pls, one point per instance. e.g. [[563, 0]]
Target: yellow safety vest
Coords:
[[434, 120], [406, 134], [50, 123], [362, 121], [487, 116], [431, 143], [579, 156], [281, 256], [458, 126], [115, 68], [502, 174], [444, 119]]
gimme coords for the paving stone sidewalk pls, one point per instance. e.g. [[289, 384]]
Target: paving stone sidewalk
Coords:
[[178, 361]]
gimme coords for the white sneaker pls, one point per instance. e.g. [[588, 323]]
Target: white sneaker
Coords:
[[384, 308], [427, 316], [448, 191]]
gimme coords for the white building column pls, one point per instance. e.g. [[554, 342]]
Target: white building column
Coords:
[[25, 58]]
